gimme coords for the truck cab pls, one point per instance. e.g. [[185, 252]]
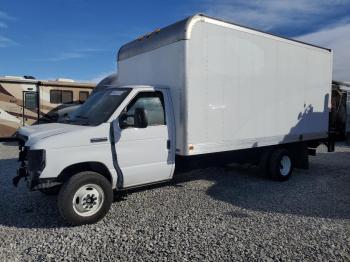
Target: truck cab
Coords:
[[121, 137]]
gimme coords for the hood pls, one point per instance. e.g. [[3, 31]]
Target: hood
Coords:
[[58, 135], [37, 132]]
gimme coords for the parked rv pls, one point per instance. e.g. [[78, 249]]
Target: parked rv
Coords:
[[341, 110], [199, 92], [27, 101]]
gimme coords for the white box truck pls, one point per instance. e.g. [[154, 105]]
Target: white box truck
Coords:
[[196, 93]]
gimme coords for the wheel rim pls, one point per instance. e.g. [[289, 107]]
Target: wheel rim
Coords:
[[88, 200], [285, 165]]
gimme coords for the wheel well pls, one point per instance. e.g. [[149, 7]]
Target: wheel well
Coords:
[[298, 151], [85, 166]]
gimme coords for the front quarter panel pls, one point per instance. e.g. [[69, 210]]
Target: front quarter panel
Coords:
[[65, 150]]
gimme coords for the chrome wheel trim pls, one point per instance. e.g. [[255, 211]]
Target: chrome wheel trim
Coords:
[[285, 165], [88, 200]]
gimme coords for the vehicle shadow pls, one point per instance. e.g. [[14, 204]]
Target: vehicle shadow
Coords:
[[322, 191], [21, 208], [24, 209]]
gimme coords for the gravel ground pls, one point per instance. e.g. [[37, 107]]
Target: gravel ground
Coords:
[[212, 214]]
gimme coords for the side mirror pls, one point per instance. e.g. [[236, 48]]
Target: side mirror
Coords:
[[123, 121], [140, 118]]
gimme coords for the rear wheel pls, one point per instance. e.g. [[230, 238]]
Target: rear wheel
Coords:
[[281, 164], [85, 198]]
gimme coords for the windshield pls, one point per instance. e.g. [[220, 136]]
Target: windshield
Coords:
[[98, 107]]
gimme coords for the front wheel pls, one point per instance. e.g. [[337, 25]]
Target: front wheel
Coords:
[[85, 198], [281, 164]]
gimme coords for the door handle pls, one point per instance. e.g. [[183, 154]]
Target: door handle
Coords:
[[98, 139]]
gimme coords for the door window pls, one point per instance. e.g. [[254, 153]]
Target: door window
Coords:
[[153, 103]]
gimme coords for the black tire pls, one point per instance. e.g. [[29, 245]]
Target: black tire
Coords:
[[279, 171], [51, 191], [68, 210]]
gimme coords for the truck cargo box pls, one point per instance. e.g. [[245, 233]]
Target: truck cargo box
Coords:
[[233, 87]]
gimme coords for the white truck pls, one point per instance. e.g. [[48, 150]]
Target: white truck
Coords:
[[196, 93]]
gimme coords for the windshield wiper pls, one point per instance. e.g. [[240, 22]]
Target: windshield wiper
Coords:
[[85, 121], [80, 120]]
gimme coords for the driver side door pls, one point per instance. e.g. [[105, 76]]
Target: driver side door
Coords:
[[144, 154]]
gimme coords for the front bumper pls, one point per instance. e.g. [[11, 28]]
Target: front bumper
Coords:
[[32, 180], [22, 171], [32, 162]]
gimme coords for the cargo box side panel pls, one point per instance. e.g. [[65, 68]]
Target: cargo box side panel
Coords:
[[247, 90], [163, 66]]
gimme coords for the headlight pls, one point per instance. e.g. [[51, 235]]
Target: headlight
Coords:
[[36, 160]]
